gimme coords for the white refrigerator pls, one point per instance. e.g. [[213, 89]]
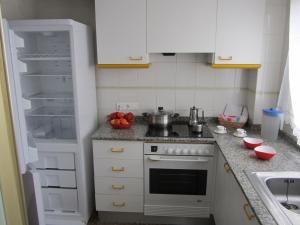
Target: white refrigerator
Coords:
[[51, 73]]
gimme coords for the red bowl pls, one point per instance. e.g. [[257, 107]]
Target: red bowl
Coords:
[[252, 143], [264, 152]]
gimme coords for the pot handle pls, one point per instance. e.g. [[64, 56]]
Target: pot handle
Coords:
[[175, 115], [145, 114]]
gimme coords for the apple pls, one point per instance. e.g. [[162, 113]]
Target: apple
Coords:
[[129, 117], [120, 115], [114, 115]]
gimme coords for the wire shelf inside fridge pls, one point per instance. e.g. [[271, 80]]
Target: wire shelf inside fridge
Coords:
[[47, 75], [44, 57], [52, 96], [50, 111]]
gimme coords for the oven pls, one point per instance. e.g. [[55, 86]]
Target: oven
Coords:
[[178, 179]]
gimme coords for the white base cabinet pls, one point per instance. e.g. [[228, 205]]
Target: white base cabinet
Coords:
[[118, 171], [230, 206]]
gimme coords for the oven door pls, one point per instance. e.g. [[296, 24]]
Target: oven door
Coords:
[[178, 185]]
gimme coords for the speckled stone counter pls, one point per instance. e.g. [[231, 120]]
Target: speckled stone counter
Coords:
[[239, 158]]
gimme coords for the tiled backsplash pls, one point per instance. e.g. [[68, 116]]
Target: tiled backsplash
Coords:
[[175, 82]]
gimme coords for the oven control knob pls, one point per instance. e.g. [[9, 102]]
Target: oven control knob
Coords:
[[185, 151], [193, 152], [170, 151], [177, 151]]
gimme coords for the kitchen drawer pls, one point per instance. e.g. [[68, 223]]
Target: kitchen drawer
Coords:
[[55, 160], [58, 178], [119, 203], [118, 149], [119, 186], [60, 199], [106, 167]]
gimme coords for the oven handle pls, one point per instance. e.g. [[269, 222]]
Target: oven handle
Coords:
[[159, 158]]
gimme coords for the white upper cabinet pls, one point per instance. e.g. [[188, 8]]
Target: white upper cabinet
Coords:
[[121, 31], [183, 26], [239, 31]]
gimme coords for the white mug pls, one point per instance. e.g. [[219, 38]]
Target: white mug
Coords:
[[221, 128], [241, 131]]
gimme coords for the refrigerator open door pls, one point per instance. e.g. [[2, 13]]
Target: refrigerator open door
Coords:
[[34, 198], [27, 152]]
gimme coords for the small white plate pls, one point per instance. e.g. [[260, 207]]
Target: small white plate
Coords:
[[238, 135], [220, 132]]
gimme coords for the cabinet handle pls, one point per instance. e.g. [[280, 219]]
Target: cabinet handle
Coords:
[[117, 150], [225, 58], [119, 205], [117, 169], [135, 58], [118, 187], [227, 167], [248, 212]]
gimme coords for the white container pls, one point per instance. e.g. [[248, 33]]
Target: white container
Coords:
[[272, 121]]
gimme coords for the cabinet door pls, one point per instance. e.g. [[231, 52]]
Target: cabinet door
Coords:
[[185, 26], [231, 206], [239, 31], [121, 31]]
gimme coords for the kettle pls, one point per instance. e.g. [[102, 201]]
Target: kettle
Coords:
[[194, 118]]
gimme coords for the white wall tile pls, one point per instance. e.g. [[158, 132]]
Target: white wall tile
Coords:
[[184, 100], [205, 76], [166, 98], [203, 99], [225, 78], [186, 75]]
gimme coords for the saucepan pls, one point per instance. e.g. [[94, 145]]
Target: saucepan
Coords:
[[161, 118]]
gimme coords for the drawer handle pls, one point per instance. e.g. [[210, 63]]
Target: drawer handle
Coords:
[[118, 187], [117, 169], [225, 58], [135, 58], [248, 211], [227, 167], [119, 205], [117, 150]]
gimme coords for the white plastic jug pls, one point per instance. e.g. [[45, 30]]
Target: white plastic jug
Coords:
[[272, 121]]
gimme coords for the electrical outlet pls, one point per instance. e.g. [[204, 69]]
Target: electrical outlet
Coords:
[[127, 106]]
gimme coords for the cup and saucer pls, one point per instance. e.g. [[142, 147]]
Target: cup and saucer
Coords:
[[241, 133], [220, 130]]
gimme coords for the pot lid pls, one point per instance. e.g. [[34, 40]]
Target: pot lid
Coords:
[[272, 112], [162, 112]]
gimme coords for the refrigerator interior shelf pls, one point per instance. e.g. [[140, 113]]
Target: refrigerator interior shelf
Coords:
[[44, 57], [52, 111], [53, 96], [48, 75]]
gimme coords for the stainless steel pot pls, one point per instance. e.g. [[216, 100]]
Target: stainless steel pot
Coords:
[[197, 128], [161, 118]]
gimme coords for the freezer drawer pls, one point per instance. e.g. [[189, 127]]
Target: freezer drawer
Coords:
[[60, 199], [58, 178], [55, 160]]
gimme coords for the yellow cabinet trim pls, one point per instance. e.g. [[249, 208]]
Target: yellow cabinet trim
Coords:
[[123, 66], [236, 66]]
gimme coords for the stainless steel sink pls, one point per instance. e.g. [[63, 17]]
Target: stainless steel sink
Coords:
[[280, 192]]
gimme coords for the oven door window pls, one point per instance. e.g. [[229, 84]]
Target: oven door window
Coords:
[[178, 181]]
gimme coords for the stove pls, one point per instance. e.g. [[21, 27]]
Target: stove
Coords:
[[178, 130]]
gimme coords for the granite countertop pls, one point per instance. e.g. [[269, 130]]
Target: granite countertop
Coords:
[[239, 158]]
